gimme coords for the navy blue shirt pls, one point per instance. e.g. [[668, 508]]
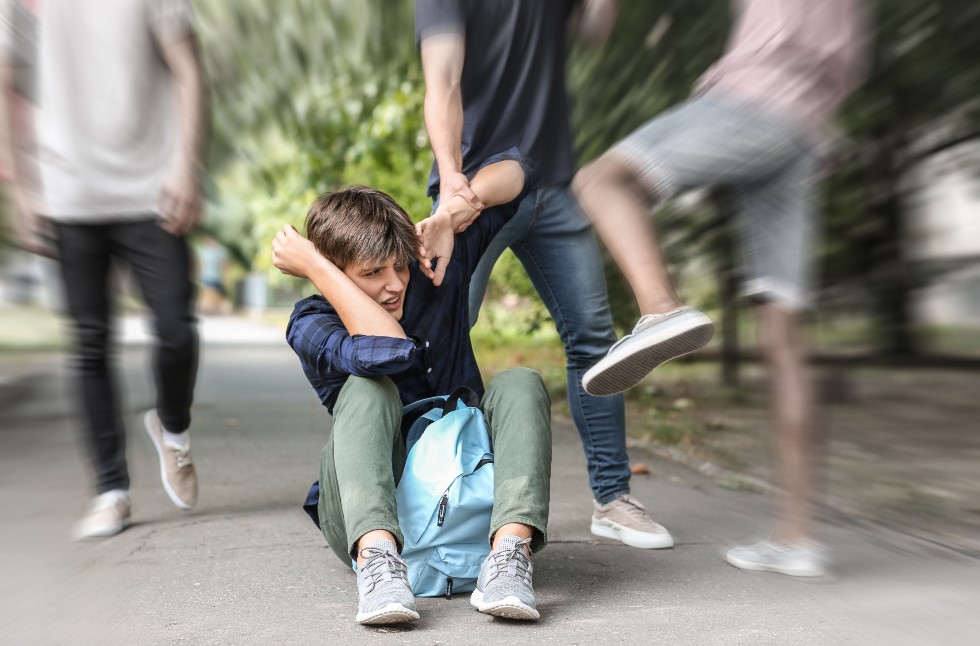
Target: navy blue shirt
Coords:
[[435, 359], [512, 83]]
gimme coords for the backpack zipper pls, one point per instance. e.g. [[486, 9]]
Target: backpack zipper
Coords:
[[443, 504], [444, 501]]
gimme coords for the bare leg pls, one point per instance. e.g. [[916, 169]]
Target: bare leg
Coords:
[[617, 206], [780, 337]]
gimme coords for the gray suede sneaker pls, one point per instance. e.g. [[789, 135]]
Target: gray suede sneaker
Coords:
[[656, 338], [504, 586], [382, 587]]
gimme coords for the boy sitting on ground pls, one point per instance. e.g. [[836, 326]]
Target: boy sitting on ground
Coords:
[[383, 336]]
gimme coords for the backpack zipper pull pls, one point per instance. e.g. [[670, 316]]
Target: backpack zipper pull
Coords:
[[443, 503], [449, 587]]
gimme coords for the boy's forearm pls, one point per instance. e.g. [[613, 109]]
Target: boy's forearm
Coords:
[[358, 311], [495, 184], [499, 183]]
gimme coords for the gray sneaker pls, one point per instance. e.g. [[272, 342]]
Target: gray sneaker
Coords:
[[805, 558], [656, 338], [625, 519], [504, 586], [384, 596]]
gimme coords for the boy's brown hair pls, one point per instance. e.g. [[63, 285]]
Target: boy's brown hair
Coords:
[[360, 225]]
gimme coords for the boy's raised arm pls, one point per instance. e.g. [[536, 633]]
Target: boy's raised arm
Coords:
[[495, 184], [296, 256]]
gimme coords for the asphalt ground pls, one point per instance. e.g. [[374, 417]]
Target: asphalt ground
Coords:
[[248, 567]]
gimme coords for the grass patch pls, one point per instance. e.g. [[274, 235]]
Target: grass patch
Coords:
[[30, 329]]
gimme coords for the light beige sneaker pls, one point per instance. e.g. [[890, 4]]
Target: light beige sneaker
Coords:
[[176, 467], [626, 520], [109, 515], [656, 338]]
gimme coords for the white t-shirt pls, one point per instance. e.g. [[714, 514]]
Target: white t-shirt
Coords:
[[106, 106]]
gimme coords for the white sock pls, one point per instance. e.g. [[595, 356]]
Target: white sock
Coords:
[[110, 497], [180, 441]]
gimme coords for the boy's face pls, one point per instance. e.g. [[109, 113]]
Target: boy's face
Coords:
[[385, 282]]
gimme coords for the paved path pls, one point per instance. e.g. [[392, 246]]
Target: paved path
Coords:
[[248, 567]]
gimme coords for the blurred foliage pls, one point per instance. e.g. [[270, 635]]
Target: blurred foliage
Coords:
[[311, 95]]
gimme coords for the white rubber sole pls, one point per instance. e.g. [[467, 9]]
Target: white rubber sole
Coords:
[[812, 570], [163, 467], [643, 540], [627, 365], [393, 613], [508, 608], [105, 532]]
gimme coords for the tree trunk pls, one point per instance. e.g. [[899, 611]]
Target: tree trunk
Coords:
[[891, 284]]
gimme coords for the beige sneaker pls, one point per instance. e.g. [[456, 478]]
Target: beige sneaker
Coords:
[[626, 520], [656, 338], [176, 467], [109, 515]]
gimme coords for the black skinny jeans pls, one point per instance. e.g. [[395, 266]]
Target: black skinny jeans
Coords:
[[161, 264]]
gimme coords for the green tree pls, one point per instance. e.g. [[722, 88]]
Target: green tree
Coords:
[[309, 96]]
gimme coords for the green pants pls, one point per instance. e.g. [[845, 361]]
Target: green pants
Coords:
[[363, 460]]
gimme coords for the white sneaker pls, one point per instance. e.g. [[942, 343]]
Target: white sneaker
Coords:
[[656, 338], [109, 515], [799, 559]]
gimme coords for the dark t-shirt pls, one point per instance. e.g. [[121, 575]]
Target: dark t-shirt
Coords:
[[513, 81]]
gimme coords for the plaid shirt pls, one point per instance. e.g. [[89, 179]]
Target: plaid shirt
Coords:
[[435, 359]]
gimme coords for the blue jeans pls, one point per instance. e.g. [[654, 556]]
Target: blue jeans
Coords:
[[553, 240]]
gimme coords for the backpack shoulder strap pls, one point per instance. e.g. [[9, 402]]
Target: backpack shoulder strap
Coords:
[[462, 395]]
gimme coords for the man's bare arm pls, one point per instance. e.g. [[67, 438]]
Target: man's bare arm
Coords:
[[597, 19], [30, 230], [442, 65], [181, 202]]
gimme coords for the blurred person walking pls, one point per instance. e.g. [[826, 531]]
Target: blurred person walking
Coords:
[[120, 133], [494, 80], [756, 123]]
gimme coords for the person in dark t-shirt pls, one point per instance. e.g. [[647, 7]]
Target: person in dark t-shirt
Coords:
[[495, 79]]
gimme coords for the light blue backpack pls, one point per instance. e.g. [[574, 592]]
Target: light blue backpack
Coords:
[[445, 495]]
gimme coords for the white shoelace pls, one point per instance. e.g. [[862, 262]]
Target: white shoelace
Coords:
[[183, 458]]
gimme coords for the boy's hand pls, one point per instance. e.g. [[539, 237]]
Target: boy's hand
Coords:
[[292, 254], [436, 234]]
